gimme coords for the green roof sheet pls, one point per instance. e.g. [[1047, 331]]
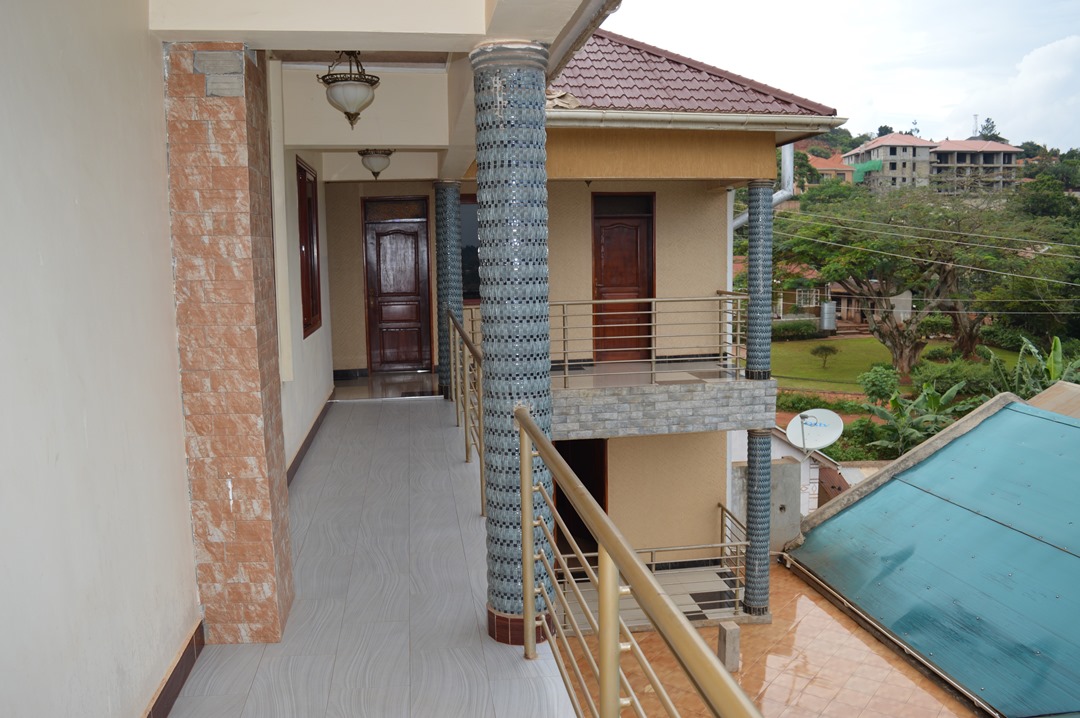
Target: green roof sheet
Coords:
[[972, 559]]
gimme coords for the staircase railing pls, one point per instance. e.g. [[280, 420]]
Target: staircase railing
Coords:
[[467, 382]]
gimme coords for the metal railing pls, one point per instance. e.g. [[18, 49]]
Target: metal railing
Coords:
[[467, 381], [595, 680], [643, 339]]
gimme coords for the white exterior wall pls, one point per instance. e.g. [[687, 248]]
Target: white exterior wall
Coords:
[[98, 565]]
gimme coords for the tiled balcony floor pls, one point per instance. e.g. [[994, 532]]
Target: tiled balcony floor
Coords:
[[390, 588], [390, 573]]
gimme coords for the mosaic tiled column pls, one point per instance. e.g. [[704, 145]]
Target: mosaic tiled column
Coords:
[[448, 269], [759, 441], [511, 178], [223, 254]]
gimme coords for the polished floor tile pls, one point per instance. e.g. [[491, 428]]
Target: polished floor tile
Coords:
[[389, 619]]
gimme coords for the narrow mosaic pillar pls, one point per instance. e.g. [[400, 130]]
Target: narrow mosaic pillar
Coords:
[[511, 177], [448, 269], [223, 254], [759, 441]]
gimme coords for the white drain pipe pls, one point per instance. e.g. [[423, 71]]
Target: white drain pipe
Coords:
[[787, 183]]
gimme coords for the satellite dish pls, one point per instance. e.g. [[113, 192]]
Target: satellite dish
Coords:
[[814, 429]]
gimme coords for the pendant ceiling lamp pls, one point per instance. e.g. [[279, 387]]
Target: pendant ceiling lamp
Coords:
[[375, 160], [349, 90]]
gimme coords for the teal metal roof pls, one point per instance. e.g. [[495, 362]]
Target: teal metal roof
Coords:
[[972, 559]]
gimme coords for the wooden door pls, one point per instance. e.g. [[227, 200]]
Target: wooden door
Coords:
[[399, 305], [622, 269]]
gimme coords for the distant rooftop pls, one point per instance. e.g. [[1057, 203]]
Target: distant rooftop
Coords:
[[611, 72], [830, 163], [974, 146], [896, 139]]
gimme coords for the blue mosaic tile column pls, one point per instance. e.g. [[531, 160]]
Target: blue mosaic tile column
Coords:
[[447, 269], [511, 178], [758, 366]]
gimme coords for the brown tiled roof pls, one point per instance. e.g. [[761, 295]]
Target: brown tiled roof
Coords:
[[896, 139], [974, 146], [611, 72], [832, 163]]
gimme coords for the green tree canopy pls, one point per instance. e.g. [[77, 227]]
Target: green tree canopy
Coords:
[[989, 132]]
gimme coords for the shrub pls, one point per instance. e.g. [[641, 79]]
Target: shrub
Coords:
[[879, 383], [795, 401], [997, 335], [939, 354], [793, 330], [935, 325], [978, 377], [854, 445], [1070, 348], [983, 352]]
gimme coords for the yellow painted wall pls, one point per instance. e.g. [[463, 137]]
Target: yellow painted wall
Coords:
[[345, 243], [580, 153], [677, 476]]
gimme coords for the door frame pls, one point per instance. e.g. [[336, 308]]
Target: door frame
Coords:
[[651, 252], [395, 210]]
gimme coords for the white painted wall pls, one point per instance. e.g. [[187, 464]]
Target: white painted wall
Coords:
[[303, 397], [97, 568]]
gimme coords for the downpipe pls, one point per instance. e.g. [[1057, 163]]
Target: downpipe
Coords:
[[787, 184]]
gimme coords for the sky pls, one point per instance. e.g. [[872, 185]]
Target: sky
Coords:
[[881, 62]]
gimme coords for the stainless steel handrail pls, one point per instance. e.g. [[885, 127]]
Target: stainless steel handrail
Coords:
[[467, 370], [616, 558]]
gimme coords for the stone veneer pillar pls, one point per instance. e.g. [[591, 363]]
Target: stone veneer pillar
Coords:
[[511, 177], [447, 269], [219, 179], [759, 441]]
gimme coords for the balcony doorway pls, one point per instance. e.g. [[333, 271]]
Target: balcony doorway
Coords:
[[588, 459], [624, 268]]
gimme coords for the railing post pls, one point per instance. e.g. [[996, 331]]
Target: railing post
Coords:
[[565, 350], [455, 383], [466, 401], [652, 341], [608, 638], [528, 549]]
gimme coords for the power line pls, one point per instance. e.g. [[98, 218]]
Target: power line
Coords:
[[1018, 250], [943, 231], [932, 261]]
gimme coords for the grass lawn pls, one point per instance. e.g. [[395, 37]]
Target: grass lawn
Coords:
[[794, 368]]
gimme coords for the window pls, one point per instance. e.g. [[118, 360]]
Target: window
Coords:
[[806, 297], [961, 158], [308, 217], [904, 150], [892, 151], [894, 181], [892, 165], [903, 165]]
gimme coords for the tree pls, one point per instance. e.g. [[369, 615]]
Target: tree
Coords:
[[830, 192], [918, 241], [908, 422], [804, 171], [823, 352], [1034, 372], [884, 130], [989, 132], [1046, 197], [1031, 150], [822, 152]]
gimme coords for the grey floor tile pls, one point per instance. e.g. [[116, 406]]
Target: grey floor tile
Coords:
[[322, 576], [386, 702], [543, 697], [372, 656], [208, 707], [291, 687], [505, 662], [377, 597], [450, 683], [330, 538], [312, 629], [444, 620], [224, 670]]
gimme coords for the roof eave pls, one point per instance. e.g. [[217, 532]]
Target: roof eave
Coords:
[[787, 128]]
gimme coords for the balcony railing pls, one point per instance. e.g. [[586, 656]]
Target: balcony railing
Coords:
[[467, 387], [588, 656], [643, 341]]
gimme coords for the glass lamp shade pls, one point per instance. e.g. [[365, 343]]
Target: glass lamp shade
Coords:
[[375, 160], [350, 98]]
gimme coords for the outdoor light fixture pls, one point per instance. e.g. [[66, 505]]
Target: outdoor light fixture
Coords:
[[375, 160], [349, 91]]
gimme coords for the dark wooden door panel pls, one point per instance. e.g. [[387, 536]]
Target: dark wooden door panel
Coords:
[[622, 269], [399, 314]]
